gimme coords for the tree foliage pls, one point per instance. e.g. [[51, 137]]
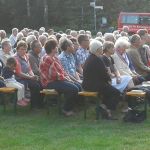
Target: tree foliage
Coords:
[[62, 14]]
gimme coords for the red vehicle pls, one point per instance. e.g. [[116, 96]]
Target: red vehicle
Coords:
[[134, 21]]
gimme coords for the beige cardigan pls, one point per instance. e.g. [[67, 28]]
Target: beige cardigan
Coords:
[[122, 67]]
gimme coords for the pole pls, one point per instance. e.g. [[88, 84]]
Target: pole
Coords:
[[92, 4], [95, 19], [28, 8], [45, 13]]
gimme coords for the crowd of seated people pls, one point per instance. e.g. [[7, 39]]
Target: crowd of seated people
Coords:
[[73, 61]]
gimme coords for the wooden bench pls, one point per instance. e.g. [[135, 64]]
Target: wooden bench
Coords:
[[5, 91], [141, 94], [48, 94], [87, 95]]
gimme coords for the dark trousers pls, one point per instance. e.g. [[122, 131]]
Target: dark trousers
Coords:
[[70, 91], [111, 96], [35, 87]]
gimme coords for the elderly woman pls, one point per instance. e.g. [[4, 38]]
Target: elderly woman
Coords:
[[121, 82], [6, 51], [2, 35], [123, 61], [53, 76], [25, 75], [96, 78]]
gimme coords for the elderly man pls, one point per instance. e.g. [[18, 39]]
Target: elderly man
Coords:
[[13, 37], [140, 67], [34, 57], [82, 52], [42, 39], [143, 33], [67, 59]]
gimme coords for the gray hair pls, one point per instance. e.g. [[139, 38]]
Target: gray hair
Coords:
[[42, 39], [109, 37], [30, 39], [99, 34], [134, 38], [64, 43], [100, 39], [74, 33], [14, 29], [5, 42], [81, 31]]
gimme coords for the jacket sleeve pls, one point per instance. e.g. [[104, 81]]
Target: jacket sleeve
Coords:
[[136, 59]]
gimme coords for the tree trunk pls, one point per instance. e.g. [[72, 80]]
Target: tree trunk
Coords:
[[28, 8], [45, 13]]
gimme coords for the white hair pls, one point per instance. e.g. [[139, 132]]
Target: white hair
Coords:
[[99, 34], [45, 33], [95, 45], [81, 31], [116, 32], [74, 33], [14, 29], [20, 36], [121, 43]]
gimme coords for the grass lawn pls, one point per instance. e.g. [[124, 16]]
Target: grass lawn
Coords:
[[36, 130]]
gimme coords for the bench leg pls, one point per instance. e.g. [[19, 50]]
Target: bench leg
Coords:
[[15, 102], [4, 101], [47, 103], [59, 104], [145, 107], [85, 106], [97, 108]]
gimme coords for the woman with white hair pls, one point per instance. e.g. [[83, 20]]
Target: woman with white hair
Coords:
[[123, 61], [97, 79]]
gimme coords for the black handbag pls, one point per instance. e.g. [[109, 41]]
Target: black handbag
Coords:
[[135, 116]]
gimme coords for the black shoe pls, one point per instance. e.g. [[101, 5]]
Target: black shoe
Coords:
[[105, 114]]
